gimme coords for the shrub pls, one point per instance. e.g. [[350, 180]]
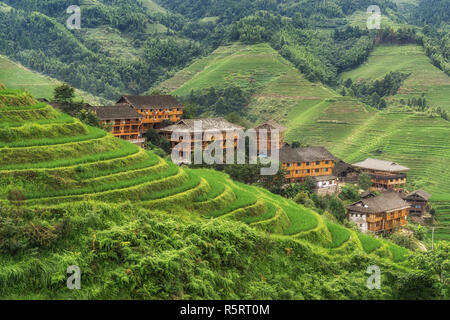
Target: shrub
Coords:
[[349, 192], [336, 207], [16, 196], [364, 181], [405, 240]]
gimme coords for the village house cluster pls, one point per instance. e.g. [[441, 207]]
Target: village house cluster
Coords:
[[132, 116]]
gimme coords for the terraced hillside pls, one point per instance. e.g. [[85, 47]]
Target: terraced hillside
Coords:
[[354, 132], [15, 76], [50, 160], [277, 84], [424, 77], [317, 115]]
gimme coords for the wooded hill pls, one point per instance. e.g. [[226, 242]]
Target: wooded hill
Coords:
[[129, 46]]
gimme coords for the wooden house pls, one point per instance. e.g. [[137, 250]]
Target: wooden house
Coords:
[[383, 213], [308, 162], [345, 172], [124, 121], [154, 109], [266, 140], [385, 174], [209, 129], [418, 201]]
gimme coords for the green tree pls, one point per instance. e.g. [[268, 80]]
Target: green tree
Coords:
[[64, 93], [419, 233], [337, 208], [435, 261], [349, 192], [309, 185], [89, 118], [190, 111], [364, 181], [153, 137]]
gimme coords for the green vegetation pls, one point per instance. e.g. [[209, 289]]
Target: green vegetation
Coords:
[[16, 76], [339, 235], [398, 253], [369, 243], [424, 78], [316, 115], [71, 194]]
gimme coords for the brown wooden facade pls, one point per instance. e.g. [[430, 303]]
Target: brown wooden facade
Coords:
[[384, 213], [385, 175], [154, 109], [124, 122], [387, 221], [418, 201], [300, 163], [264, 136], [298, 171]]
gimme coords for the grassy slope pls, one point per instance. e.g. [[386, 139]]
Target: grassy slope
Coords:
[[153, 7], [319, 116], [278, 85], [415, 140], [16, 76], [246, 66], [105, 169], [424, 78]]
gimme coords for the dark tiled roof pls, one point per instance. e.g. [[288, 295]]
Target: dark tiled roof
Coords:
[[151, 102], [307, 154], [341, 167], [271, 125], [382, 165], [119, 111], [387, 201], [420, 193], [367, 194], [207, 124]]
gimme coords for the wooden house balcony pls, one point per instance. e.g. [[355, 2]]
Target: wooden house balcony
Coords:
[[374, 219]]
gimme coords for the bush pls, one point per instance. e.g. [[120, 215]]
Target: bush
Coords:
[[336, 207], [419, 233], [364, 181], [16, 196], [349, 192], [405, 240]]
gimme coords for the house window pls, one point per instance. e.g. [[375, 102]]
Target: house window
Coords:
[[308, 171], [308, 163], [316, 170], [299, 164], [326, 162], [289, 164], [325, 170], [317, 162]]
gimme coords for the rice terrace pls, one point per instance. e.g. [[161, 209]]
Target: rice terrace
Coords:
[[100, 99]]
